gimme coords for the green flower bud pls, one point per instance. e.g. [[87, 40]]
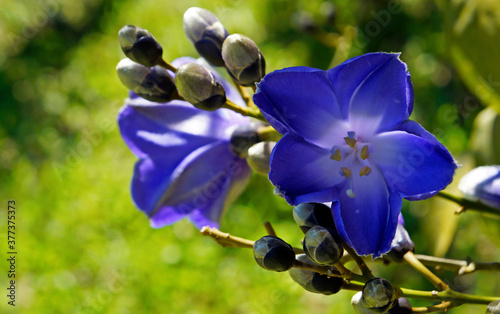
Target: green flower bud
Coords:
[[140, 46], [154, 84], [206, 33], [259, 156], [198, 86], [244, 61], [379, 295]]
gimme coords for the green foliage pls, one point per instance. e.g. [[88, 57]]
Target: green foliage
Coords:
[[82, 245]]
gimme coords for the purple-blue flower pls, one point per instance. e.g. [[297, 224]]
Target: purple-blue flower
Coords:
[[483, 184], [185, 166], [347, 140]]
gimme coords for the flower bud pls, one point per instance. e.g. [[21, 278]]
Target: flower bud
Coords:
[[378, 295], [139, 45], [198, 86], [323, 246], [403, 306], [401, 244], [483, 184], [358, 305], [154, 84], [259, 156], [493, 307], [206, 33], [244, 61], [272, 253], [314, 282], [243, 137], [308, 215]]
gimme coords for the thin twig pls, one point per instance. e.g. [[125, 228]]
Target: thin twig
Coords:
[[462, 267], [361, 263], [424, 271], [270, 229], [468, 204]]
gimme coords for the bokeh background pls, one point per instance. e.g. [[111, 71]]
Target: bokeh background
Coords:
[[84, 248]]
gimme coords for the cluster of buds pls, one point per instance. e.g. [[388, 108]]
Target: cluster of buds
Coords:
[[147, 74]]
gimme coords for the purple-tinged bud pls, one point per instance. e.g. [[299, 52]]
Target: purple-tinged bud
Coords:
[[198, 86], [272, 253], [308, 215], [244, 61], [323, 246], [154, 84], [140, 46], [401, 244], [206, 33], [379, 295], [259, 156], [483, 184], [314, 282]]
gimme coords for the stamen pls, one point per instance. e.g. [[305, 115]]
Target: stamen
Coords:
[[346, 171], [336, 155], [350, 140], [365, 171], [364, 152]]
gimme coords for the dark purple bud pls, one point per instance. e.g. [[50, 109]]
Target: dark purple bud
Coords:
[[243, 137], [323, 246], [308, 215], [198, 86], [272, 253], [206, 33], [378, 295], [403, 306], [154, 84], [314, 282], [244, 61], [140, 46]]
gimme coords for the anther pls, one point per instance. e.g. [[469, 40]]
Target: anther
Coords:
[[350, 141], [365, 171], [346, 171], [364, 152], [336, 155]]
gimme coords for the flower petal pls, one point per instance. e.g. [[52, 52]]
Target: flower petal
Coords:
[[301, 170], [301, 100], [199, 182], [149, 128], [376, 88], [368, 221], [411, 163]]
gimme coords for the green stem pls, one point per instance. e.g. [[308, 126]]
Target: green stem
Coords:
[[468, 204], [167, 66], [424, 271], [367, 273], [460, 266], [268, 133], [447, 295], [246, 111]]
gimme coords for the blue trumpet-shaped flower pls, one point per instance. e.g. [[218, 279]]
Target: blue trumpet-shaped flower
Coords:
[[483, 184], [347, 140], [185, 166]]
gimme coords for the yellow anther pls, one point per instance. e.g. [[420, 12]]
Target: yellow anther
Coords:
[[336, 156], [346, 171], [364, 152], [350, 141], [365, 171]]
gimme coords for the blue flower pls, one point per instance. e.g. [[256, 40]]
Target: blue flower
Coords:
[[185, 166], [483, 184], [347, 140]]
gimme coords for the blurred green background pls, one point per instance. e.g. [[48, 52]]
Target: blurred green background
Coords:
[[84, 248]]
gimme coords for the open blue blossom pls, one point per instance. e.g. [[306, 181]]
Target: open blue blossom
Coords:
[[185, 167], [483, 184], [347, 140]]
